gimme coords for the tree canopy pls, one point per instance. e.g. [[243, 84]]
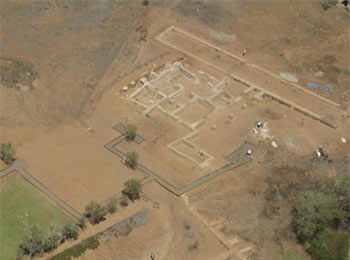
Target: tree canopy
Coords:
[[314, 212], [7, 152], [132, 189]]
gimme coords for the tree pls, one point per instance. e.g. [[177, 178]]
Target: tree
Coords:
[[70, 231], [124, 201], [130, 132], [131, 159], [342, 191], [81, 222], [330, 246], [32, 244], [7, 152], [112, 206], [95, 212], [51, 240], [313, 213], [132, 189]]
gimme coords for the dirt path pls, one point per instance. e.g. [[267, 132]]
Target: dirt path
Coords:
[[91, 230]]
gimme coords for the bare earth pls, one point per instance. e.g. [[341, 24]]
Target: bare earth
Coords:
[[63, 67]]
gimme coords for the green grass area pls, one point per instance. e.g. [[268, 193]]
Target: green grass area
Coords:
[[22, 206]]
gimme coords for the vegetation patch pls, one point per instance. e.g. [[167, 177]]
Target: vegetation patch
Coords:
[[7, 153], [22, 207], [321, 221], [132, 189], [77, 250]]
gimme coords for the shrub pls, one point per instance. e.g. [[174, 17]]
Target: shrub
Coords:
[[291, 255], [132, 189], [342, 190], [124, 201], [112, 206], [145, 2], [81, 222], [77, 250], [130, 132], [91, 243], [33, 243], [313, 213], [131, 159], [329, 246], [7, 152], [95, 212], [70, 231], [51, 241]]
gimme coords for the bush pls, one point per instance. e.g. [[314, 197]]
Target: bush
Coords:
[[330, 246], [33, 244], [291, 255], [130, 132], [326, 4], [51, 241], [314, 212], [70, 231], [82, 222], [145, 2], [95, 212], [7, 153], [131, 159], [124, 201], [77, 250], [132, 189], [112, 206], [342, 190]]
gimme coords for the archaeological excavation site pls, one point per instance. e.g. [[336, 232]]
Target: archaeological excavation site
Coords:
[[175, 129]]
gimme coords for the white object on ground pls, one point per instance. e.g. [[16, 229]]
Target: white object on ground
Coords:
[[249, 152], [318, 153], [343, 140], [289, 77], [125, 89], [255, 131], [274, 144]]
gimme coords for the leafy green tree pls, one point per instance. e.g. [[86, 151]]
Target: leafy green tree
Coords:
[[132, 158], [130, 132], [95, 212], [132, 189], [70, 231], [313, 213], [112, 206], [7, 152], [330, 246], [51, 240], [32, 244]]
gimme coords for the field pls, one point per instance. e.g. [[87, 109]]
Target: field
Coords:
[[22, 206]]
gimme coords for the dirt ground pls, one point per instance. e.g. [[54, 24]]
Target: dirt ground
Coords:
[[63, 64], [171, 233]]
